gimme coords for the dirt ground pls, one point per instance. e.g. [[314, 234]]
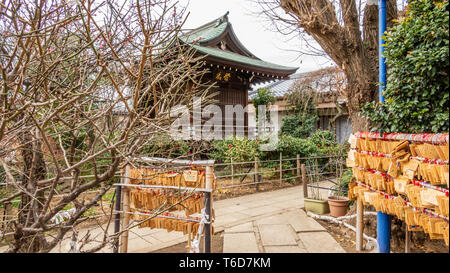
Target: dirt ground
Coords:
[[216, 246], [420, 242], [221, 194]]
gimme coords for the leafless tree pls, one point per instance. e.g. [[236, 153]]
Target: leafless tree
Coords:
[[85, 85], [346, 31]]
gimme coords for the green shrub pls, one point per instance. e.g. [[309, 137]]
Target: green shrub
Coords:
[[240, 149], [300, 125], [291, 146], [164, 146], [342, 183], [323, 138], [417, 55], [264, 97]]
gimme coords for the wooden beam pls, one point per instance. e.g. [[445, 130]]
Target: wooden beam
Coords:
[[359, 224], [304, 181], [126, 209]]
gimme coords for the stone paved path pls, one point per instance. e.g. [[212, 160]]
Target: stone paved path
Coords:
[[290, 231], [262, 222]]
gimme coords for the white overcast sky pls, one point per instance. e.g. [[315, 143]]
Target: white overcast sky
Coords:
[[252, 32]]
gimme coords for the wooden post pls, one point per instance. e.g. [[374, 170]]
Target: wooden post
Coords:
[[189, 236], [208, 204], [407, 240], [257, 173], [304, 181], [118, 196], [298, 169], [281, 169], [337, 171], [126, 209], [232, 171], [359, 224]]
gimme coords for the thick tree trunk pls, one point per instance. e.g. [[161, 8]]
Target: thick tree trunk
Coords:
[[355, 52], [30, 206], [361, 88]]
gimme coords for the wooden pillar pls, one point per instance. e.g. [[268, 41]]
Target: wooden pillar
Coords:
[[189, 237], [298, 169], [118, 196], [257, 173], [232, 170], [126, 209], [359, 224], [407, 240], [281, 168], [304, 181], [337, 170], [208, 204]]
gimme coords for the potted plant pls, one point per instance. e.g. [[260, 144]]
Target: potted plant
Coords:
[[316, 204], [337, 198]]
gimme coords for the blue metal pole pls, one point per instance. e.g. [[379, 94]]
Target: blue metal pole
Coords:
[[382, 59], [383, 219], [384, 232]]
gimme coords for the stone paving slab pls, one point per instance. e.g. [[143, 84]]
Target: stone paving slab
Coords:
[[271, 220], [260, 210], [287, 197], [289, 204], [302, 223], [222, 211], [277, 235], [237, 208], [258, 203], [140, 245], [320, 242], [240, 243], [229, 218], [165, 236], [285, 249], [247, 227]]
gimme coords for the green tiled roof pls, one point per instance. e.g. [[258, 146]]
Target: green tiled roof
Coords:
[[199, 37], [206, 33], [230, 56]]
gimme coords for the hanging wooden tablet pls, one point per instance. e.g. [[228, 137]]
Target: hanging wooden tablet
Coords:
[[202, 179], [446, 238], [410, 168], [431, 196], [443, 203], [390, 187], [379, 146], [169, 225], [393, 170], [190, 175], [445, 151], [400, 184], [412, 149], [358, 144], [431, 151], [433, 229], [372, 145]]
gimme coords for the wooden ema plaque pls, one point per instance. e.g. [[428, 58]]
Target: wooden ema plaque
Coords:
[[404, 175]]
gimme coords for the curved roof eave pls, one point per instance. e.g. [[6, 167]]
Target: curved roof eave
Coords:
[[244, 60]]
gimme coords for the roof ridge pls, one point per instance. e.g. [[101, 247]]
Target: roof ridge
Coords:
[[214, 23], [200, 47]]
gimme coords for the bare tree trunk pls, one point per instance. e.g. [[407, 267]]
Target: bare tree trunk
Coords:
[[354, 52], [30, 208]]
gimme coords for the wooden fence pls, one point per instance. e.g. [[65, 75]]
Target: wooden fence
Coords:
[[293, 170]]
